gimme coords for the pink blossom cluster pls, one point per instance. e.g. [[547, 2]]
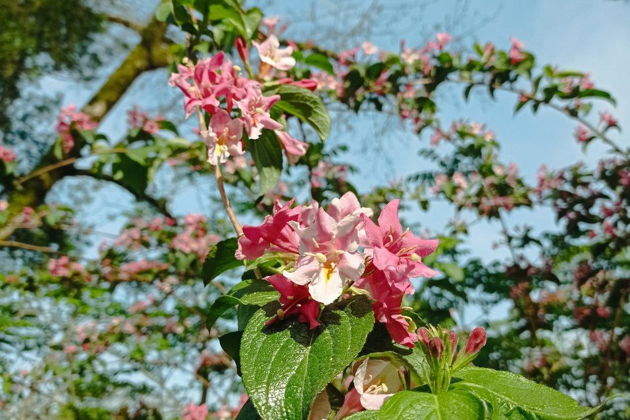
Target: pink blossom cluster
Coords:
[[64, 267], [328, 251], [235, 103], [6, 155], [67, 120], [195, 239], [141, 120], [327, 170]]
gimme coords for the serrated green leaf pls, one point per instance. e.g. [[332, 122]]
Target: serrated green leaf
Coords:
[[514, 395], [220, 259], [305, 105], [267, 155], [247, 292], [286, 365], [451, 405]]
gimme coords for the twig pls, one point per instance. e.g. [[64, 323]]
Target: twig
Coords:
[[219, 176], [15, 244]]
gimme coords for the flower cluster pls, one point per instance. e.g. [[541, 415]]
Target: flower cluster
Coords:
[[141, 120], [234, 103], [67, 120], [328, 253]]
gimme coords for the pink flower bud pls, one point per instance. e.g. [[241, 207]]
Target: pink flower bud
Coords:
[[241, 47], [424, 335], [436, 347], [476, 340], [452, 337]]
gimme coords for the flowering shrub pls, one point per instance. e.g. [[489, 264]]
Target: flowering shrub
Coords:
[[340, 311]]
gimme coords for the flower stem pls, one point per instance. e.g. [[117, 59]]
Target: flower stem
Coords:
[[219, 177]]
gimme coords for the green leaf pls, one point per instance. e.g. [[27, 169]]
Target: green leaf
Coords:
[[267, 155], [305, 105], [247, 292], [230, 11], [248, 412], [363, 415], [231, 344], [514, 395], [163, 11], [320, 61], [131, 174], [286, 365], [590, 93], [220, 259], [451, 405]]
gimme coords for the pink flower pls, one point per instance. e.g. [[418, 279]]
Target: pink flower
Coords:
[[310, 84], [624, 345], [139, 119], [293, 147], [374, 381], [194, 239], [271, 53], [234, 164], [607, 119], [369, 48], [255, 109], [224, 137], [274, 235], [329, 241], [295, 300], [6, 155], [195, 412], [4, 205], [69, 118], [582, 134], [586, 82], [210, 82], [325, 81], [397, 253], [516, 54], [443, 38]]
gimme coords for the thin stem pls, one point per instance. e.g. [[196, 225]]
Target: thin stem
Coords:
[[219, 177]]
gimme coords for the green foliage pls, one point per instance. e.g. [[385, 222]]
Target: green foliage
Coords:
[[451, 405], [38, 37], [267, 155], [515, 397], [305, 105], [293, 364], [220, 259]]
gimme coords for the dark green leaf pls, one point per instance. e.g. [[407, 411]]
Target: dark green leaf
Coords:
[[220, 259], [247, 292], [267, 155], [305, 105], [286, 365], [248, 412]]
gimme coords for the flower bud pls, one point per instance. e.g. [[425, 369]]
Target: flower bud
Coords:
[[436, 347], [452, 337], [241, 47], [423, 333], [476, 340]]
